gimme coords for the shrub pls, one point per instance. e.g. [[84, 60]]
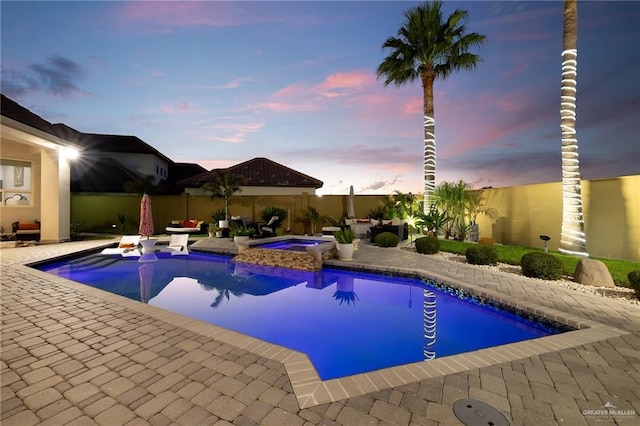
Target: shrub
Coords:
[[386, 239], [634, 280], [482, 254], [541, 265], [486, 240], [76, 229], [427, 245]]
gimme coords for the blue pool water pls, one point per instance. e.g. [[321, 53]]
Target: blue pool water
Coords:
[[293, 244], [346, 322]]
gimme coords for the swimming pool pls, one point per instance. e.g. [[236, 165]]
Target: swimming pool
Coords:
[[346, 322]]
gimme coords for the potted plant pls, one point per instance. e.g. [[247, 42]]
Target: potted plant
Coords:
[[242, 233], [344, 243], [224, 185], [214, 230]]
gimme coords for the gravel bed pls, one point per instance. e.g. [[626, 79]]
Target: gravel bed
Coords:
[[620, 293]]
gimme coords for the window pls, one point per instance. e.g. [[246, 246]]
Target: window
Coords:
[[15, 182]]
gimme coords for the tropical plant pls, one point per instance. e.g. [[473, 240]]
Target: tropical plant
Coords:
[[345, 235], [243, 231], [461, 229], [433, 221], [313, 217], [428, 47], [453, 198], [213, 227], [269, 212], [224, 185], [378, 213], [572, 238], [218, 215], [477, 205], [404, 204]]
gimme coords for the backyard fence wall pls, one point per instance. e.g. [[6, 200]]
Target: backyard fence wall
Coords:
[[611, 211]]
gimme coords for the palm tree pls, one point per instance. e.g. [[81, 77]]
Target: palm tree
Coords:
[[428, 47], [224, 186], [572, 238]]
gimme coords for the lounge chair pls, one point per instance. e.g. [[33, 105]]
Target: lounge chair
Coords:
[[177, 245], [128, 246], [270, 227]]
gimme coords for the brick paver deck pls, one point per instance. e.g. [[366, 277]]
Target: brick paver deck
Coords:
[[75, 355]]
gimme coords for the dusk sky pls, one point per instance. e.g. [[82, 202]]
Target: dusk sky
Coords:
[[218, 83]]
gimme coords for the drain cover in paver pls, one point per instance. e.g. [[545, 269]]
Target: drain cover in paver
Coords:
[[472, 412]]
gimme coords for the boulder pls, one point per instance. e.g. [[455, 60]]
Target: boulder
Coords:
[[593, 272]]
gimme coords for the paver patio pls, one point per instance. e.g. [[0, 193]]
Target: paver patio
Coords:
[[72, 354]]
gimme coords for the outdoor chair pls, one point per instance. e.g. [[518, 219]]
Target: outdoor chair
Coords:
[[270, 227], [128, 246], [177, 245]]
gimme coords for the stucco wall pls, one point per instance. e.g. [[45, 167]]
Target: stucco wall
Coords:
[[611, 209]]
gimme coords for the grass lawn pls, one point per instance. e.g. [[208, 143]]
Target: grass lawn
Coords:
[[619, 269]]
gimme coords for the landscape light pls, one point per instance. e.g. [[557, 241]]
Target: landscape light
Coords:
[[429, 158], [572, 238]]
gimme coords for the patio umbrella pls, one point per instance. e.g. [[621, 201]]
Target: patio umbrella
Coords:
[[352, 203], [146, 218]]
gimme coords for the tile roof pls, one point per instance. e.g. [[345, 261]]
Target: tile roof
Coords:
[[179, 171], [13, 110], [84, 141], [258, 171]]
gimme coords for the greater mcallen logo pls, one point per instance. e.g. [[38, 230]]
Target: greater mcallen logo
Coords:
[[608, 411]]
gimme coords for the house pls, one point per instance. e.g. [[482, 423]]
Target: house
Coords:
[[261, 176], [128, 152], [35, 172], [108, 161]]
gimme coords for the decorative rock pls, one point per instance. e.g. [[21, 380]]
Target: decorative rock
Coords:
[[593, 272]]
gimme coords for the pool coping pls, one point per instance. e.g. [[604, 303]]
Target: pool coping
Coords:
[[310, 390]]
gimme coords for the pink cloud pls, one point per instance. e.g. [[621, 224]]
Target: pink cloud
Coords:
[[414, 106], [233, 132], [181, 108], [171, 14]]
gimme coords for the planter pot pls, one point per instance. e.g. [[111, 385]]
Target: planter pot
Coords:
[[345, 251], [241, 238], [218, 234], [223, 224], [148, 245], [212, 234]]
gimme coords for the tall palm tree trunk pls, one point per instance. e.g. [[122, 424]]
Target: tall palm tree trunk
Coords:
[[428, 77], [572, 240]]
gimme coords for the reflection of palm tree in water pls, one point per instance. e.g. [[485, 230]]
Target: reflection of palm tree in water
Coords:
[[346, 296], [224, 293], [344, 291]]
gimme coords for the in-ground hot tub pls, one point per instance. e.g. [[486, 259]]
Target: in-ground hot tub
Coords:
[[299, 252]]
